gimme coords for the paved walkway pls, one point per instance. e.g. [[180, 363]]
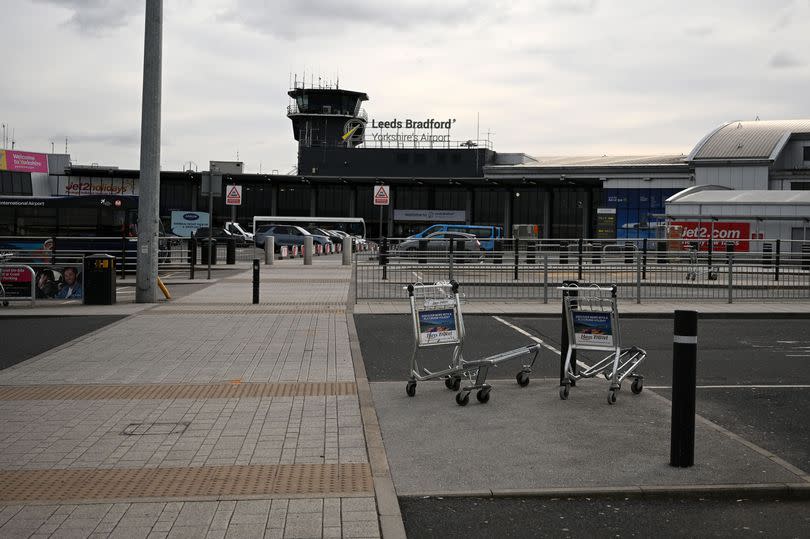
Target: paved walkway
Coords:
[[209, 416], [203, 417]]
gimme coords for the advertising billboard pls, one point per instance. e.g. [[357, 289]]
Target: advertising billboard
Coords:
[[15, 161], [186, 223], [720, 231]]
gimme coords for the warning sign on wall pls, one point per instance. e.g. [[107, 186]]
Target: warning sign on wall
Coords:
[[381, 197], [233, 195]]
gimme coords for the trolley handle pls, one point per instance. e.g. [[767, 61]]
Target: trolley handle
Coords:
[[574, 288]]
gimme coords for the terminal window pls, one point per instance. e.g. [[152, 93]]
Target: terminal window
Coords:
[[807, 153]]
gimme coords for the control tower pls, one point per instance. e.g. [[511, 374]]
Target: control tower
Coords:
[[327, 116]]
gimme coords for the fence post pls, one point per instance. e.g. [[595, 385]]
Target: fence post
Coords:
[[778, 252], [545, 278], [384, 258], [451, 256], [563, 252], [579, 259], [638, 278], [422, 251], [644, 259], [730, 255], [684, 380], [516, 242]]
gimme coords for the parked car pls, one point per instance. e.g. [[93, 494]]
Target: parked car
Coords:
[[216, 233], [486, 234], [236, 230], [467, 245], [288, 235]]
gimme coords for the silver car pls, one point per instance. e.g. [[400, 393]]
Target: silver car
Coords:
[[467, 245]]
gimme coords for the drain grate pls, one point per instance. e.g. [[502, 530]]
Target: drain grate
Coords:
[[177, 391], [316, 480]]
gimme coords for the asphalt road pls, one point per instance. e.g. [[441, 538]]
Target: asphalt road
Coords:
[[595, 518], [24, 337], [753, 379]]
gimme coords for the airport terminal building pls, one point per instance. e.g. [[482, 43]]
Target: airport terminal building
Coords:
[[343, 154]]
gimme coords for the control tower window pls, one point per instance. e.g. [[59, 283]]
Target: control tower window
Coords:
[[303, 103]]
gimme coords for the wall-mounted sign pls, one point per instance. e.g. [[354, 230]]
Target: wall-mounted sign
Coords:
[[426, 126], [605, 223], [76, 185], [381, 195], [23, 161], [233, 195], [431, 216]]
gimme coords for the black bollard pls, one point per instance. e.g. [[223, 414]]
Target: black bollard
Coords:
[[384, 258], [517, 256], [564, 344], [192, 257], [778, 253], [579, 258], [684, 380], [255, 281]]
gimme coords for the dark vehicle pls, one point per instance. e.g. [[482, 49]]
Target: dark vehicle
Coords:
[[288, 235], [486, 234], [216, 234], [467, 245]]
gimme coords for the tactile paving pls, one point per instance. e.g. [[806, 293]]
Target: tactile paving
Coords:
[[210, 481], [244, 309], [177, 391]]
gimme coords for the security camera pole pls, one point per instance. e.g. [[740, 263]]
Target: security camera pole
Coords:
[[149, 181]]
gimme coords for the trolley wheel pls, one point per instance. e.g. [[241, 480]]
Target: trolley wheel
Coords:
[[410, 389], [564, 390], [453, 383], [483, 395], [637, 386], [522, 378], [462, 398], [5, 304], [611, 396]]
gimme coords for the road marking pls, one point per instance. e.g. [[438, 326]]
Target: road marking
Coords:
[[797, 355], [750, 386], [536, 339]]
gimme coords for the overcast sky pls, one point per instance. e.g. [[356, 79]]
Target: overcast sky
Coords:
[[552, 77]]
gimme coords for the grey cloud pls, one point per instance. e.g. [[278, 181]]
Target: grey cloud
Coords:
[[700, 31], [573, 7], [782, 60], [289, 19], [114, 138], [98, 17]]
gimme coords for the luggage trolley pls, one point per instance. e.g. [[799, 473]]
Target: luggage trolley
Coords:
[[437, 321], [593, 324], [694, 268]]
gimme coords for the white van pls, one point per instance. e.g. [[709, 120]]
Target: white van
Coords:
[[235, 229]]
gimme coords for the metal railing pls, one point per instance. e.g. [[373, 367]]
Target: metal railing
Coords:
[[533, 269]]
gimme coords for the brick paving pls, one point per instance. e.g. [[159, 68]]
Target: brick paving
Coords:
[[305, 451]]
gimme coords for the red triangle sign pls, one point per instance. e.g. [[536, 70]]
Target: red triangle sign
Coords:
[[234, 192]]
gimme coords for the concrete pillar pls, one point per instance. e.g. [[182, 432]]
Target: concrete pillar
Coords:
[[269, 250], [347, 251], [308, 250]]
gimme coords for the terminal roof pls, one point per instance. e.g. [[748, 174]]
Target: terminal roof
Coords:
[[748, 140]]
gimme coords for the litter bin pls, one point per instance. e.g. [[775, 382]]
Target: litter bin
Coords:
[[99, 280], [205, 248]]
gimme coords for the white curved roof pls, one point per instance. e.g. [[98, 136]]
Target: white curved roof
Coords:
[[748, 140], [732, 197]]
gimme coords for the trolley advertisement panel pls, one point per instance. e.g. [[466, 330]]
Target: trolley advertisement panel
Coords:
[[592, 328], [437, 326]]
